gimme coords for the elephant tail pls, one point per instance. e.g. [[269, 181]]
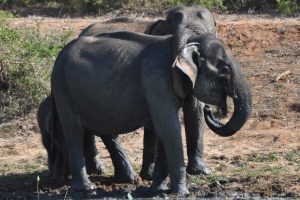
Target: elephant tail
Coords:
[[52, 122], [56, 129]]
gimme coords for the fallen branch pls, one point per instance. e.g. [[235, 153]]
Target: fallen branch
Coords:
[[282, 75]]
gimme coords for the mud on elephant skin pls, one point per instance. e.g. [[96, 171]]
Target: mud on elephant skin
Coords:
[[58, 157], [114, 83]]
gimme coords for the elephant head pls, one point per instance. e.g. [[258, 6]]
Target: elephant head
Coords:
[[183, 22], [212, 75]]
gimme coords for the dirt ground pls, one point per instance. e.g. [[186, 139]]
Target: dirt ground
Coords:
[[261, 160]]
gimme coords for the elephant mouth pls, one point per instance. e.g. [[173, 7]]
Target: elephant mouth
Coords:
[[220, 112], [242, 106]]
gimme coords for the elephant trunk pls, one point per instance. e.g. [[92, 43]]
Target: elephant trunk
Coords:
[[180, 39], [242, 110]]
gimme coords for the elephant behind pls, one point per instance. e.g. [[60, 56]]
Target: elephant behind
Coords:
[[54, 143], [58, 156]]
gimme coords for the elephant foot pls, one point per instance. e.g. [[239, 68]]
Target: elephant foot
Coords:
[[181, 190], [158, 186], [198, 167], [94, 165], [147, 172], [125, 177], [58, 174], [82, 185]]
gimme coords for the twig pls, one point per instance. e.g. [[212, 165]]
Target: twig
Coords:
[[282, 75]]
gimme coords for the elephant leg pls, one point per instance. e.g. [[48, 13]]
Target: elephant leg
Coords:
[[51, 161], [58, 166], [74, 133], [92, 159], [193, 122], [149, 154], [160, 170], [67, 172], [123, 169], [167, 127]]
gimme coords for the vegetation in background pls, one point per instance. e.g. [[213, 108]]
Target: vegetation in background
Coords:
[[288, 7], [26, 60], [26, 57], [285, 7]]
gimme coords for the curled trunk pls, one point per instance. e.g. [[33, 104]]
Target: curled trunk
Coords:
[[242, 110]]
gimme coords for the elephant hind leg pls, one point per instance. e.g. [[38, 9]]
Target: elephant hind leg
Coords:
[[123, 169], [149, 154], [92, 158], [74, 132], [161, 170], [58, 167]]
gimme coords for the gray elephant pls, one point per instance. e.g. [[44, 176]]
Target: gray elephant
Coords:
[[57, 151], [116, 24], [182, 22], [54, 144], [114, 83]]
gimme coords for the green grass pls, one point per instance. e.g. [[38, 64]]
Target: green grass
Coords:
[[251, 166], [10, 168], [5, 14]]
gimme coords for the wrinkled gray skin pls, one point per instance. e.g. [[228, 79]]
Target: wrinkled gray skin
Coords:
[[117, 82], [182, 22], [58, 157]]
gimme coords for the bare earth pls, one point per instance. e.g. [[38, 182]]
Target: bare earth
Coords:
[[261, 160]]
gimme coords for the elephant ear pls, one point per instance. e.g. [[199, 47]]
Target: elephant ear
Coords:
[[184, 66], [157, 28]]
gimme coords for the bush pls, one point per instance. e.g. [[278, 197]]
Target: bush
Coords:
[[26, 61], [288, 7], [211, 4]]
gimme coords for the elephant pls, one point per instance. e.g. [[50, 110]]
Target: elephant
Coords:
[[58, 156], [116, 24], [54, 144], [114, 83], [182, 22]]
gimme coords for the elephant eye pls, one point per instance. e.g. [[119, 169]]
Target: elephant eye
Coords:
[[224, 72], [195, 59], [199, 14]]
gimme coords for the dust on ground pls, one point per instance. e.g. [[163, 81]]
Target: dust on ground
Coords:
[[261, 160]]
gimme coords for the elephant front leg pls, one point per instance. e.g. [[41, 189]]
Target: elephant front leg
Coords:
[[168, 129], [93, 161], [149, 154], [123, 169], [193, 122]]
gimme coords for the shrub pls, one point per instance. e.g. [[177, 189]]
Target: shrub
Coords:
[[211, 4], [288, 7], [26, 60]]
